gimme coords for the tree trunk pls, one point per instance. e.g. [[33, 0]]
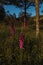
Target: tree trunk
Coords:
[[25, 8], [25, 24], [37, 18]]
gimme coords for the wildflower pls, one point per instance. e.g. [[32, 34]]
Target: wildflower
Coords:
[[21, 40], [25, 24]]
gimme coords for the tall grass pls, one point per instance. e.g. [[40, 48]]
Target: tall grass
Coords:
[[11, 54]]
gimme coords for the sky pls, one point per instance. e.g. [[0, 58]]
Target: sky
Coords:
[[12, 9]]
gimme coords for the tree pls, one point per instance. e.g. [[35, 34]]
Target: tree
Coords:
[[2, 12], [37, 18], [24, 4], [37, 3]]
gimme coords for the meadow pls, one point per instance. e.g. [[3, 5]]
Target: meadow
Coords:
[[11, 54]]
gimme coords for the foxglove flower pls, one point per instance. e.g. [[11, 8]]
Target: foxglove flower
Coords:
[[21, 40], [25, 24]]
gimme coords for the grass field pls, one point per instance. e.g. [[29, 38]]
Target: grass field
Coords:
[[11, 54]]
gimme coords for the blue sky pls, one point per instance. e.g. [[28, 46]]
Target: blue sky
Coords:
[[12, 9]]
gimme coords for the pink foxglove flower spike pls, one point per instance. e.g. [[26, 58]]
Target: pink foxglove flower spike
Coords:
[[25, 23], [21, 41]]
